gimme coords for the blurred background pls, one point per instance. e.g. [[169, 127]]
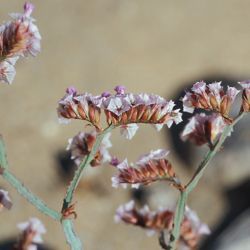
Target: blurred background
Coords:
[[159, 47]]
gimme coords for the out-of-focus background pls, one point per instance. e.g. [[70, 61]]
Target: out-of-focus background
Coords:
[[157, 47]]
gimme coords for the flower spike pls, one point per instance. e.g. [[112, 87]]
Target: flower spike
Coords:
[[245, 107], [210, 97], [150, 168], [156, 221], [202, 129], [121, 109], [19, 37]]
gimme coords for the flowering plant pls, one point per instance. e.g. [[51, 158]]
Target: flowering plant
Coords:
[[179, 228]]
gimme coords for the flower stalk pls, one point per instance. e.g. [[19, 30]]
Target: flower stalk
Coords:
[[180, 207]]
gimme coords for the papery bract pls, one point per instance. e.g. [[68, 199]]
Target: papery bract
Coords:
[[210, 97], [82, 144], [202, 129], [32, 231], [245, 96], [149, 168], [5, 201]]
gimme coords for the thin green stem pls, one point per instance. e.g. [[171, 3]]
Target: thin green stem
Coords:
[[71, 237], [67, 224], [78, 173], [28, 195], [180, 208]]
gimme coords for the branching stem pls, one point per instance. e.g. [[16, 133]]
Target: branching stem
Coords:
[[180, 207]]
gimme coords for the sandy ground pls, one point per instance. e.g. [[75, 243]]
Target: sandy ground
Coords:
[[149, 46]]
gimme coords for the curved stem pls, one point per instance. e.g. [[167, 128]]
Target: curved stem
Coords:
[[78, 173], [28, 195], [180, 208], [72, 239]]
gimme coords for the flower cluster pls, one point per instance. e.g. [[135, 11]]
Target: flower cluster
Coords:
[[210, 97], [245, 95], [152, 221], [202, 129], [121, 109], [81, 145], [191, 228], [5, 201], [19, 37], [31, 235], [150, 168]]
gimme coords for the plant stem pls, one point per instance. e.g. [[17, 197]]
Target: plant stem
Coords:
[[180, 208], [74, 242], [78, 173], [28, 195], [72, 239]]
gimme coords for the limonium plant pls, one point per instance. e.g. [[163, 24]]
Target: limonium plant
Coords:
[[176, 229]]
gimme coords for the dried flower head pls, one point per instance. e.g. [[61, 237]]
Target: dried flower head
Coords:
[[210, 97], [149, 168], [192, 229], [5, 201], [121, 109], [32, 231], [152, 221], [202, 129], [82, 144], [245, 107], [19, 37], [162, 219]]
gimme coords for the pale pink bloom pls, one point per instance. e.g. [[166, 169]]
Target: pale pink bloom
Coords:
[[5, 200], [32, 232], [116, 105], [245, 96], [197, 226], [129, 130], [148, 169], [152, 221], [152, 155], [203, 128], [7, 72], [81, 145], [209, 97]]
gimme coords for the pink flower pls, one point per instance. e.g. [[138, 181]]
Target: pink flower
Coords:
[[82, 144], [149, 168], [5, 200], [120, 109], [19, 37], [210, 97], [202, 129], [149, 220], [156, 221], [7, 72], [32, 231], [245, 96], [128, 131]]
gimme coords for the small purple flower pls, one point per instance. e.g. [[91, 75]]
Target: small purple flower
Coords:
[[28, 9], [71, 90], [106, 94], [120, 90]]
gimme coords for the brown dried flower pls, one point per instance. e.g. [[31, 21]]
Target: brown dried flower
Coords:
[[210, 97], [202, 129], [191, 228], [150, 168]]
